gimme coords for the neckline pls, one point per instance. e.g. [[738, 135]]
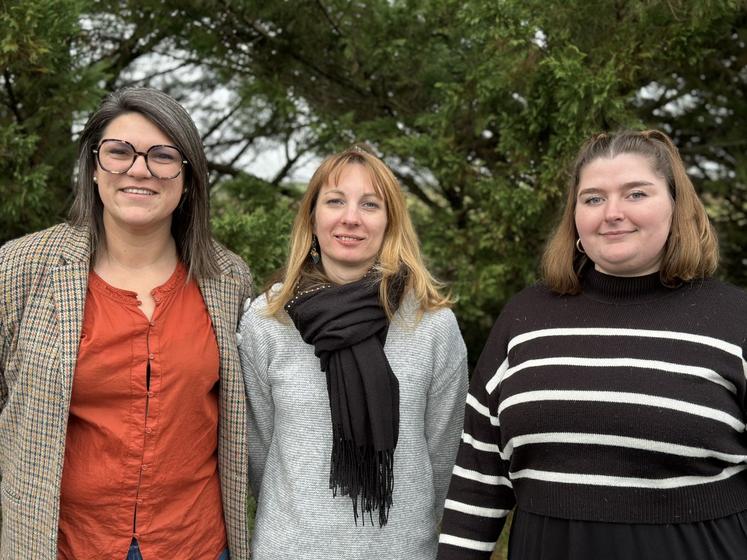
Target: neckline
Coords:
[[127, 296], [623, 289]]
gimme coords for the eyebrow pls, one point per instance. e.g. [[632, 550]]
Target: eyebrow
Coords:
[[340, 192], [625, 186]]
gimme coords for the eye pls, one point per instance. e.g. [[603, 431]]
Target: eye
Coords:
[[370, 204], [593, 200], [118, 151], [163, 155], [334, 201], [637, 195]]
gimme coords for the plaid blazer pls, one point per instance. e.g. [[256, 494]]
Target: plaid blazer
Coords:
[[43, 281]]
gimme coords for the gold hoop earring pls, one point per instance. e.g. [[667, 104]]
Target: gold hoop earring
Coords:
[[579, 247]]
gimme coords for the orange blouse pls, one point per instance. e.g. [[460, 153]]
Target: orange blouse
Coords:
[[142, 436]]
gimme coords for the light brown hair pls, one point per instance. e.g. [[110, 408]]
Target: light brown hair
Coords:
[[190, 224], [691, 250], [400, 249]]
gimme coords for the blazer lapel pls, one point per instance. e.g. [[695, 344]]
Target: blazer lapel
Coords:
[[213, 290], [69, 283], [219, 294]]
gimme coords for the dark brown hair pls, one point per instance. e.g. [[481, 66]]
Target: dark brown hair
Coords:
[[190, 224]]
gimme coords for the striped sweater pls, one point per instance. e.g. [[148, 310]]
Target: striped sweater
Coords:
[[623, 404]]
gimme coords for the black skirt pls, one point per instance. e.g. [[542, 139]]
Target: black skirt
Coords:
[[537, 537]]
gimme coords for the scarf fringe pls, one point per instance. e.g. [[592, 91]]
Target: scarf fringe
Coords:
[[364, 474]]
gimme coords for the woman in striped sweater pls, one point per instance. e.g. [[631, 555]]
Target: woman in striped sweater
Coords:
[[608, 405]]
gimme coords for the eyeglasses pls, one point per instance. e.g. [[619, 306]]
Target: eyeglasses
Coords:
[[118, 156]]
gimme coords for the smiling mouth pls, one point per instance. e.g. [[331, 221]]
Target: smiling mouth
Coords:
[[136, 190], [616, 233], [348, 237]]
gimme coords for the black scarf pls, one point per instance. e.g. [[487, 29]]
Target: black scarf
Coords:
[[347, 327]]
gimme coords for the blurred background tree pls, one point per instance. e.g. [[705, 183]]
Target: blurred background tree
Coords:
[[478, 106]]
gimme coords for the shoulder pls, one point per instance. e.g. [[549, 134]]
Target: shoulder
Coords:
[[717, 291], [534, 305], [410, 315], [711, 296], [531, 295], [46, 246], [232, 265], [26, 259], [533, 299], [265, 335], [442, 321], [29, 261], [256, 315], [228, 261], [715, 305], [262, 301], [436, 329]]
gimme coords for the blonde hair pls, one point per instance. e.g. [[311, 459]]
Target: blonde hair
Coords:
[[691, 249], [400, 249]]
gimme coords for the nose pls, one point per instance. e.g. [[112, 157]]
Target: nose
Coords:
[[139, 168], [351, 216], [613, 211]]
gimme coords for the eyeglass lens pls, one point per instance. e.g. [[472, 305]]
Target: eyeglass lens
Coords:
[[163, 162]]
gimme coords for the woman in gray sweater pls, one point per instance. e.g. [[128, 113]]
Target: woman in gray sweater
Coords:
[[356, 375]]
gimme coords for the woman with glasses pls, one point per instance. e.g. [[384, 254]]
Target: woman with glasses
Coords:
[[122, 408], [356, 374]]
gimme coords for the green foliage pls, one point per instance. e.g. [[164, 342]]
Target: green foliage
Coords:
[[43, 88], [249, 217], [23, 188], [478, 106]]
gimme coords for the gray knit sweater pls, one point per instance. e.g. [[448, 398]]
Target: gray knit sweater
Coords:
[[290, 440]]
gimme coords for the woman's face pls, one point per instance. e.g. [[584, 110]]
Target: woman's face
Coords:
[[136, 200], [350, 219], [623, 215]]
